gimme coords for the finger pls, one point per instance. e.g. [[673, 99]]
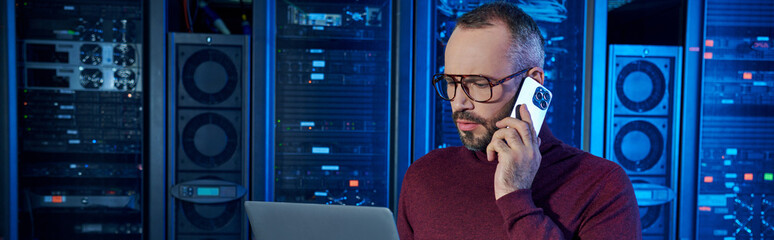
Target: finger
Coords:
[[491, 154], [508, 122], [526, 116], [522, 129], [523, 135], [529, 136], [503, 140], [510, 136], [494, 149], [497, 149]]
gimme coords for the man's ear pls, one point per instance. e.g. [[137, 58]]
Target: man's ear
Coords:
[[537, 74]]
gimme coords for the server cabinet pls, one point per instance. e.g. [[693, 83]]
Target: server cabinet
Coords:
[[735, 172], [328, 102], [80, 119]]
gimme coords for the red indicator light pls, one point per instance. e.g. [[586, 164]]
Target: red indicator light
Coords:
[[56, 199], [709, 43], [705, 209], [354, 183], [748, 176], [708, 179], [747, 75], [760, 45], [708, 55]]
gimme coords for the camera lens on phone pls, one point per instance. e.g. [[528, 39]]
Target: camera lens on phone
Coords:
[[539, 95], [543, 104]]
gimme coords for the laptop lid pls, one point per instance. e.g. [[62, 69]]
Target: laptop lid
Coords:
[[279, 220]]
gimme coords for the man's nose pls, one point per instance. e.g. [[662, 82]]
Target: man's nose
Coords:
[[461, 101]]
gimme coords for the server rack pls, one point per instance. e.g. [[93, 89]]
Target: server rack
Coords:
[[378, 26], [330, 144], [81, 120], [734, 154]]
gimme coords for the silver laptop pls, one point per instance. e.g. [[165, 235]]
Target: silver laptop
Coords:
[[276, 220]]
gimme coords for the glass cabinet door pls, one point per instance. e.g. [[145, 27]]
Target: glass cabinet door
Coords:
[[736, 147], [332, 102]]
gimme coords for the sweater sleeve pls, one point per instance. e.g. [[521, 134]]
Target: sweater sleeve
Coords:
[[523, 220], [611, 214], [614, 213]]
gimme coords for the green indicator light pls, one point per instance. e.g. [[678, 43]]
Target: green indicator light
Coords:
[[25, 116], [280, 144], [25, 90], [768, 176], [278, 120], [287, 129], [29, 129]]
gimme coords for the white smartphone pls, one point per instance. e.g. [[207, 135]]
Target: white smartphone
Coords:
[[537, 98]]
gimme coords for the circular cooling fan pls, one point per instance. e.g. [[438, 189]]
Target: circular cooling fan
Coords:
[[209, 76]]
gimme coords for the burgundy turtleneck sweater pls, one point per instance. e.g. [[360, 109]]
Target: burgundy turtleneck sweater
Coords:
[[449, 194]]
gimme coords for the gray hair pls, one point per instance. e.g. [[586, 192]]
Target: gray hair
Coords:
[[527, 48]]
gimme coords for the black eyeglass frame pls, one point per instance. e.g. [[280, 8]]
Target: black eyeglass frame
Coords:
[[440, 77]]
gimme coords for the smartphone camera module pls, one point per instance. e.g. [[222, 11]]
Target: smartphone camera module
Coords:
[[541, 98]]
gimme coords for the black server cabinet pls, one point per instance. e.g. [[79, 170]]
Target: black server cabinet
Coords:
[[79, 105], [208, 116], [330, 108], [642, 126]]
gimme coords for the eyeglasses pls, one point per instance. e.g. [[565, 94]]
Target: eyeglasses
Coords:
[[477, 87]]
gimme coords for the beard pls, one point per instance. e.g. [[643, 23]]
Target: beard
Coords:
[[479, 143]]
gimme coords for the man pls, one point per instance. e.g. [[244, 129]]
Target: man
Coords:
[[508, 183]]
